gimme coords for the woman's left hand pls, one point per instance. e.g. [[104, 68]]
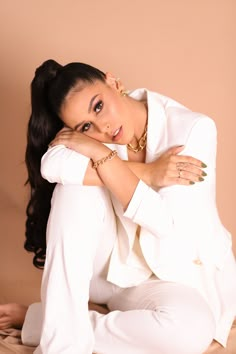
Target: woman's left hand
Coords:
[[171, 169]]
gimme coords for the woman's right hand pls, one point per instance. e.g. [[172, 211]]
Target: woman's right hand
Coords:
[[171, 169], [79, 142]]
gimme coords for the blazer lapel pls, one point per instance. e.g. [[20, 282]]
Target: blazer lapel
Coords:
[[156, 137]]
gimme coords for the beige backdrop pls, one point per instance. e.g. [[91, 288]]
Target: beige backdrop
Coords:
[[182, 48]]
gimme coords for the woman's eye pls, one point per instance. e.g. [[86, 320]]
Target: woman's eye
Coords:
[[98, 107], [86, 127]]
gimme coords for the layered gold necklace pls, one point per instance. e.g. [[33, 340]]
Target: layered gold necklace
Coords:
[[142, 142]]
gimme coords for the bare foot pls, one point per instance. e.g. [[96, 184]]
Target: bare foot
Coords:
[[12, 315]]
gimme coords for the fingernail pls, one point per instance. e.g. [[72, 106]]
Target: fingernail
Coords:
[[191, 182], [204, 165], [201, 179], [204, 173]]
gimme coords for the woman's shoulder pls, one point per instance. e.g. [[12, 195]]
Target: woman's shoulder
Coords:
[[180, 117], [173, 117], [185, 118], [181, 122]]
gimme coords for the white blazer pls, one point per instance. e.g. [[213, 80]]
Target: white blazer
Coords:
[[182, 237]]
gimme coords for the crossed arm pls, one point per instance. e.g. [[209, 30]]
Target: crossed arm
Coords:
[[65, 163]]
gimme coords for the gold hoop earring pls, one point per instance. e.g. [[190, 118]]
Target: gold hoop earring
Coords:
[[123, 93]]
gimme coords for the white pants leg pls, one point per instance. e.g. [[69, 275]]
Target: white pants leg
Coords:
[[154, 318], [80, 218]]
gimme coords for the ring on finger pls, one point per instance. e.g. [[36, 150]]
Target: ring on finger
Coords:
[[179, 173]]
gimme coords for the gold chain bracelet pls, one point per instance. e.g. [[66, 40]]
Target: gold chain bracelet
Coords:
[[110, 156]]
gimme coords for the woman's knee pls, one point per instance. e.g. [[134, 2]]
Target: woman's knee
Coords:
[[79, 203], [78, 214], [189, 323], [178, 319]]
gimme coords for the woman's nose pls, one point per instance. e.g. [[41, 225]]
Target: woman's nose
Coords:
[[104, 127]]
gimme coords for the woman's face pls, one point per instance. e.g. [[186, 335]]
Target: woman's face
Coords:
[[100, 111]]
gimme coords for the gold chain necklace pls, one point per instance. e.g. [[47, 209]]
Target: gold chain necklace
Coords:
[[142, 142]]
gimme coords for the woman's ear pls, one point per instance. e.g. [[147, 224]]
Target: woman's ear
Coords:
[[114, 82]]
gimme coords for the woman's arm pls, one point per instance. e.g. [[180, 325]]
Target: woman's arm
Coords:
[[62, 165], [184, 219], [157, 212], [164, 171], [190, 208], [115, 174], [66, 166]]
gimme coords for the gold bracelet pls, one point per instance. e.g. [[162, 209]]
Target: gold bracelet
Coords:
[[110, 156]]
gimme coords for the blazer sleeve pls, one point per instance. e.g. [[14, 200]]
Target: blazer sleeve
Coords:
[[182, 210], [62, 165]]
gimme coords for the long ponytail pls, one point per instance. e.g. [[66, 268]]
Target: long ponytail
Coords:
[[42, 128], [50, 86]]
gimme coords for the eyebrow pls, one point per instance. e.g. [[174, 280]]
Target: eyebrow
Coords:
[[89, 110]]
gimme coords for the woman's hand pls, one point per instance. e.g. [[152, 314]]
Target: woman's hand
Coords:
[[81, 143], [171, 168]]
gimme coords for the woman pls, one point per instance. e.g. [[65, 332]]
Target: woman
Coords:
[[129, 226]]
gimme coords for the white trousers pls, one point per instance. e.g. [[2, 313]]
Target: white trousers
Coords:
[[155, 317]]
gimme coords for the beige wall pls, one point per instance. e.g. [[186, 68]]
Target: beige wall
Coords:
[[181, 48]]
